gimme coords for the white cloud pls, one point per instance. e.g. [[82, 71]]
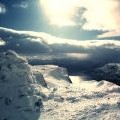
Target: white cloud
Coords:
[[99, 14], [102, 15], [2, 9], [83, 55], [110, 34], [2, 42], [21, 5], [42, 42]]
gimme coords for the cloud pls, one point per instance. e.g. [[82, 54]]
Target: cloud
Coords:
[[2, 9], [23, 4], [82, 56], [110, 34], [78, 18], [22, 42], [98, 14], [2, 42], [101, 14], [38, 41]]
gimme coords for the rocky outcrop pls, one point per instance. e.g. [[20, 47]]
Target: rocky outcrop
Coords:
[[109, 72], [20, 97]]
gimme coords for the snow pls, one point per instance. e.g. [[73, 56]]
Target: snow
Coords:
[[89, 100], [47, 92], [54, 76], [19, 91]]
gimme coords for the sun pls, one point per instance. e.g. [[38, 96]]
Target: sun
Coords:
[[59, 12]]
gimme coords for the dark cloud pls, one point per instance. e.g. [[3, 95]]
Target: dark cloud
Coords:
[[77, 56], [79, 18], [94, 59], [22, 42]]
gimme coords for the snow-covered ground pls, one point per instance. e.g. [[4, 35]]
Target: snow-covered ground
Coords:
[[47, 92], [84, 100]]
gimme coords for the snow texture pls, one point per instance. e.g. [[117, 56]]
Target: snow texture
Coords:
[[84, 100], [54, 76], [47, 92], [20, 97], [81, 100]]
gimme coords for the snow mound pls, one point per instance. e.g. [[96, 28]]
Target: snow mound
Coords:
[[109, 72], [19, 92], [54, 76]]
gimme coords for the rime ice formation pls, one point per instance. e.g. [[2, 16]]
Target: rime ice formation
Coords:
[[19, 92]]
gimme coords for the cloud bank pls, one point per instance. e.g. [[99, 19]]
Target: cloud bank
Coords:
[[42, 48]]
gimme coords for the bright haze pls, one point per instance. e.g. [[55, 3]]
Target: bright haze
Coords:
[[74, 19], [77, 34]]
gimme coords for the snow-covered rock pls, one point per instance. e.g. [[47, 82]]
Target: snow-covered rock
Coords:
[[109, 72], [89, 100], [20, 97]]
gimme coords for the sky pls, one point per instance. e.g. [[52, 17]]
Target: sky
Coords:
[[75, 55], [79, 35], [78, 19]]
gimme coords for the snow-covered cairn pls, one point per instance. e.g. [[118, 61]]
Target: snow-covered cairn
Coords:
[[19, 91]]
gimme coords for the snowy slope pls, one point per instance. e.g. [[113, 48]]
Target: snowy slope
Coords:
[[47, 92], [54, 76], [81, 100], [89, 100]]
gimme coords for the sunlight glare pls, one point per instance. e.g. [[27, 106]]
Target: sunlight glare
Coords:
[[59, 12]]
